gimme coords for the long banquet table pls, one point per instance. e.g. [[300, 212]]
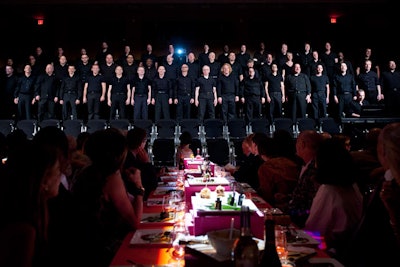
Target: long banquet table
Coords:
[[149, 254]]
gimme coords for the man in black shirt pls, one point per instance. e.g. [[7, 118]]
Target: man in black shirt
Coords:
[[94, 92], [46, 93], [141, 95], [206, 95], [24, 93], [161, 94], [228, 92], [298, 92], [70, 94], [252, 95], [184, 93]]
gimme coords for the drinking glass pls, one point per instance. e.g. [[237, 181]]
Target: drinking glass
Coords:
[[281, 242], [179, 233]]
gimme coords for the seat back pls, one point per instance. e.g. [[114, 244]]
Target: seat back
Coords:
[[96, 125], [260, 125], [305, 124], [49, 122], [163, 152], [190, 125], [214, 128], [237, 129], [122, 124], [218, 150], [29, 127], [284, 124], [72, 127], [145, 124], [329, 125], [166, 128], [6, 126]]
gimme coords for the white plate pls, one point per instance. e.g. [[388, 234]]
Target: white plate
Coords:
[[304, 239], [213, 181], [163, 190], [208, 249], [154, 218], [156, 236]]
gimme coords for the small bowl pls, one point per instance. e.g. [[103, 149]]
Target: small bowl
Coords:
[[220, 241]]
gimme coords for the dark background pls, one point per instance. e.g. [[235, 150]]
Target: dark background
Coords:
[[189, 24]]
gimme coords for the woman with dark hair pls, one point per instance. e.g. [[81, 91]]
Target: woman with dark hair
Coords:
[[105, 212], [337, 206], [277, 175], [138, 158], [30, 179], [184, 150]]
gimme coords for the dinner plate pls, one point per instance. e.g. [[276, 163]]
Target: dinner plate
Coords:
[[207, 249], [211, 181], [157, 218], [154, 236]]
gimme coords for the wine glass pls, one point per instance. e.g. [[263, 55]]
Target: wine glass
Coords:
[[180, 236]]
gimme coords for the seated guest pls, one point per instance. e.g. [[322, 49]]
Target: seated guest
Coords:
[[184, 150], [105, 213], [366, 160], [247, 171], [337, 206], [378, 233], [277, 175], [139, 158], [30, 178], [307, 144]]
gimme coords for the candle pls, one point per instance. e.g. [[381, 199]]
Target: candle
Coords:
[[231, 231]]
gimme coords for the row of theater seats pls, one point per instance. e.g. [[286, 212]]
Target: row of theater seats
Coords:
[[221, 141]]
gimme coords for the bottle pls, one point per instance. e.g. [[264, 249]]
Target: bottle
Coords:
[[270, 256], [218, 204], [245, 249]]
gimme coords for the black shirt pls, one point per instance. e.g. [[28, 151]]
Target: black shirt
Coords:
[[206, 87], [227, 85], [71, 84], [119, 85], [141, 85], [47, 86], [94, 83], [184, 86], [25, 85]]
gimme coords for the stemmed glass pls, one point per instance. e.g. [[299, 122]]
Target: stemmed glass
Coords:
[[180, 236]]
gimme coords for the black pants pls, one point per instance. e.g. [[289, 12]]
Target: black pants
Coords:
[[228, 107], [298, 105], [118, 103], [206, 105], [344, 104], [140, 108], [93, 103], [69, 104], [319, 105], [24, 106], [253, 107], [183, 107], [46, 109], [275, 106], [162, 107]]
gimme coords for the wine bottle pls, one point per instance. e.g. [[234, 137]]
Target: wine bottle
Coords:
[[270, 256], [245, 249]]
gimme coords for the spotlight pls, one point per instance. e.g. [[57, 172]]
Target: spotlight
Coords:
[[181, 51]]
